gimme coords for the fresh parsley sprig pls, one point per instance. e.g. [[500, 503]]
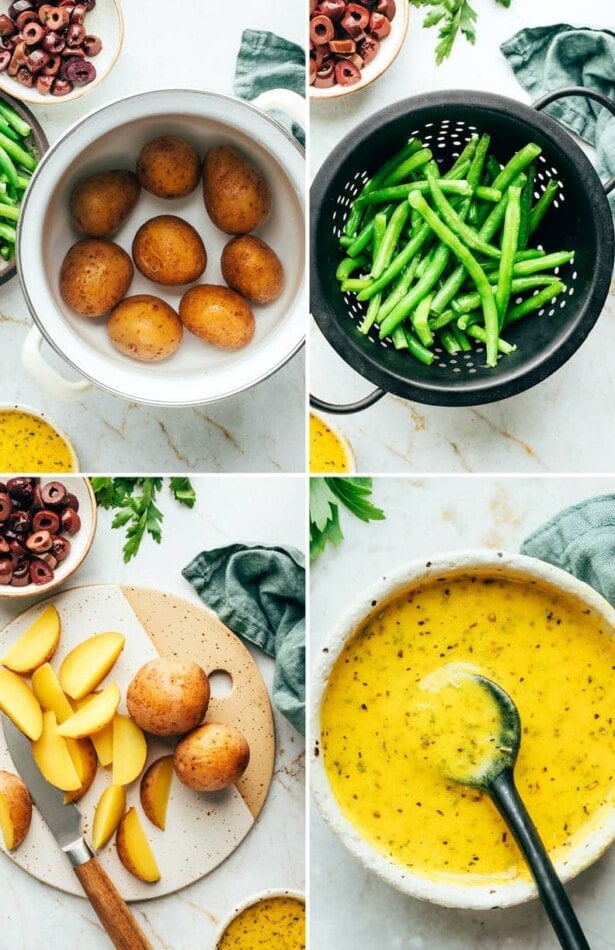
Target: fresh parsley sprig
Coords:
[[453, 17], [326, 494], [134, 499]]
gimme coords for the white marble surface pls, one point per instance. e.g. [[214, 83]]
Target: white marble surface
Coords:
[[191, 48], [545, 429], [348, 907], [235, 509]]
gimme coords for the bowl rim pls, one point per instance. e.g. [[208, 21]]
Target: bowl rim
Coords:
[[34, 591], [79, 91], [256, 899], [444, 893], [40, 414], [343, 438], [386, 58]]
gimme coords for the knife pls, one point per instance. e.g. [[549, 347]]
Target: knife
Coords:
[[64, 822]]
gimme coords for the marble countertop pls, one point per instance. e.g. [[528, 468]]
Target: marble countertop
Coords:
[[111, 434], [544, 429], [348, 906], [233, 509]]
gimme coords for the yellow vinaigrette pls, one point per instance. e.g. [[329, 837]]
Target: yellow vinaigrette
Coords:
[[328, 454], [274, 923], [29, 444], [384, 755]]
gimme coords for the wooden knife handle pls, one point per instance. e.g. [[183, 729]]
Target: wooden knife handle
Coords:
[[111, 908]]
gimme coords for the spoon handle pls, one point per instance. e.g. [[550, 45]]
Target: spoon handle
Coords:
[[551, 890]]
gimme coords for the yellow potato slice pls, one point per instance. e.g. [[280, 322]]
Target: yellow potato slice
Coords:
[[87, 665], [101, 740], [46, 687], [15, 810], [134, 850], [109, 810], [36, 645], [85, 761], [20, 704], [93, 716], [129, 750], [155, 790], [53, 758]]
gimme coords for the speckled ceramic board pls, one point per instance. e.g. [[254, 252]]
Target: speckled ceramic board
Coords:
[[202, 829]]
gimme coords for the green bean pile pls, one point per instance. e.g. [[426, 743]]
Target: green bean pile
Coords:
[[438, 255], [18, 159]]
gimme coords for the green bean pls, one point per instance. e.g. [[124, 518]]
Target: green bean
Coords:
[[443, 320], [543, 204], [6, 128], [456, 224], [397, 264], [420, 321], [8, 233], [345, 241], [364, 237], [456, 186], [526, 206], [536, 302], [462, 340], [400, 290], [354, 218], [487, 194], [348, 265], [478, 161], [419, 351], [473, 268], [510, 237], [8, 169], [425, 261], [398, 337], [9, 211], [520, 160], [546, 262], [493, 168], [389, 241], [479, 333], [405, 169], [354, 283], [371, 314], [448, 341], [17, 153], [15, 120], [468, 319], [416, 293], [467, 153], [380, 227], [471, 301]]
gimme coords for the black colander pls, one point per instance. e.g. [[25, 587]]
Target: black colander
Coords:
[[579, 220]]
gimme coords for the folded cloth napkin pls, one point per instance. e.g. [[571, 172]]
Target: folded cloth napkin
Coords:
[[266, 61], [581, 540], [259, 592], [547, 58]]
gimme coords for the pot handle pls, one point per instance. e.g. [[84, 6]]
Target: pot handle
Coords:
[[284, 100], [349, 407], [587, 94], [42, 373]]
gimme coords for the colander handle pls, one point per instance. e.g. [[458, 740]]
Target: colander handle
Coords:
[[345, 409], [587, 94]]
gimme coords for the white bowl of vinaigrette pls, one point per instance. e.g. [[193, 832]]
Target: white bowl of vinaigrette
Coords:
[[271, 920], [31, 443], [549, 640]]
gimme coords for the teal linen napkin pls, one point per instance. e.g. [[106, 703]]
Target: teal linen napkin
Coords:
[[547, 58], [266, 61], [581, 540], [259, 592]]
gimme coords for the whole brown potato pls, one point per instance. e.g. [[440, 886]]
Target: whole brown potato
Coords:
[[252, 268], [237, 197], [211, 757], [145, 328], [168, 167], [217, 315], [169, 251], [168, 696], [94, 277], [17, 807], [100, 204]]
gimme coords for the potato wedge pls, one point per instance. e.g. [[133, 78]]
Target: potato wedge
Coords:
[[134, 850], [93, 716], [53, 758], [20, 704], [87, 665], [37, 645], [129, 750], [46, 687], [15, 810], [84, 759], [107, 815], [155, 790], [101, 740]]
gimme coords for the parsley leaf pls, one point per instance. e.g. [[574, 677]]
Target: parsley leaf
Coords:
[[452, 17], [325, 496], [182, 491]]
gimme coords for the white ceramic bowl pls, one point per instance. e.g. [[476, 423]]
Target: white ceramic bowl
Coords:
[[112, 137], [352, 464], [249, 902], [105, 21], [81, 542], [389, 49], [599, 834], [28, 410]]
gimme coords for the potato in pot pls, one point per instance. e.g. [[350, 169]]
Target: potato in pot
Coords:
[[168, 696], [212, 757], [145, 328], [169, 251], [94, 277], [236, 195], [252, 268], [100, 204], [217, 315], [168, 167]]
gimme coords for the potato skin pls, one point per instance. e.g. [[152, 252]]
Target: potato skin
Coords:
[[168, 697], [237, 197], [19, 805], [217, 315], [168, 167], [252, 268], [94, 276], [100, 204], [145, 328], [211, 757], [169, 251]]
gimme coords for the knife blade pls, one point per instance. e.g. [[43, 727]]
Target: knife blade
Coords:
[[64, 822]]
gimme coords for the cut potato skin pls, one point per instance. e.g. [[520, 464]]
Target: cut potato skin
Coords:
[[94, 276], [168, 696], [145, 328], [217, 315], [168, 167], [155, 790], [108, 814], [86, 763], [169, 251], [134, 850], [237, 197], [20, 704], [100, 203], [89, 662], [37, 645], [252, 268], [15, 810], [211, 757]]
